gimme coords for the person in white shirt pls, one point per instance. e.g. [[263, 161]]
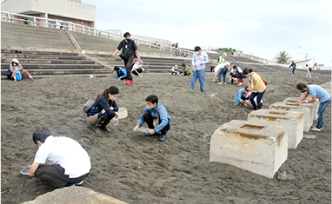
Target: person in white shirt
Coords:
[[236, 74], [137, 68], [218, 68], [308, 71], [70, 162]]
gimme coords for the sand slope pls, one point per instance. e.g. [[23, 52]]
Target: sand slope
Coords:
[[138, 169]]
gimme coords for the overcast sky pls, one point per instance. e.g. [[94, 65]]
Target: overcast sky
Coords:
[[262, 27], [259, 26]]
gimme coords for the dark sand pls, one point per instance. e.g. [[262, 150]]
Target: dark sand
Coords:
[[138, 169]]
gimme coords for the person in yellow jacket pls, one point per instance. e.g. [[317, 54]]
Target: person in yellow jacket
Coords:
[[256, 85]]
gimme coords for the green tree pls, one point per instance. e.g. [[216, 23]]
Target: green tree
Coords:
[[282, 57]]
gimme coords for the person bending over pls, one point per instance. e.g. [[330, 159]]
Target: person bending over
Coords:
[[257, 86], [70, 162], [319, 93], [137, 68], [241, 96], [104, 109], [236, 74], [156, 116], [186, 70], [16, 66], [217, 69], [120, 73]]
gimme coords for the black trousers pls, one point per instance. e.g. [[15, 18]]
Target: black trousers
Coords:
[[149, 120], [55, 176], [244, 98], [139, 70], [128, 64]]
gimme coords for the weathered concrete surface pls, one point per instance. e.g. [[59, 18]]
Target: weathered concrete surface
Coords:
[[305, 110], [261, 149], [296, 99], [291, 121], [74, 195]]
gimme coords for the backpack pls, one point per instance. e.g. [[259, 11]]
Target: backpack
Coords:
[[18, 75], [87, 106]]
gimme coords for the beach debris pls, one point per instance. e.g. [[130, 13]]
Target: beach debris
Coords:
[[310, 136], [282, 176], [213, 95]]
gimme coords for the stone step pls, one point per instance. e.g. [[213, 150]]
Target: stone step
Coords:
[[39, 52], [57, 66], [50, 61], [29, 56], [4, 77], [63, 71]]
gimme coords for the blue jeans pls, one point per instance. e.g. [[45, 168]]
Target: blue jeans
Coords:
[[222, 72], [321, 109], [200, 74], [259, 98]]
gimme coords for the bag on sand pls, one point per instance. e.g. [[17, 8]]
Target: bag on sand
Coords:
[[88, 105], [18, 75]]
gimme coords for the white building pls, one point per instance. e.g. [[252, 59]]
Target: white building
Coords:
[[72, 11]]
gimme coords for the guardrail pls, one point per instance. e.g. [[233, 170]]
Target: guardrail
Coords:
[[65, 25]]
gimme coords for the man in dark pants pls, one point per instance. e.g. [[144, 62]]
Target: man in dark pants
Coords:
[[70, 162], [156, 116], [129, 49]]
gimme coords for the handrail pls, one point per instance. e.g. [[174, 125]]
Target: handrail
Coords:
[[60, 24]]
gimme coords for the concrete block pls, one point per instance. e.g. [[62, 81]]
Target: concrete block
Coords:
[[315, 104], [305, 110], [261, 149], [291, 121]]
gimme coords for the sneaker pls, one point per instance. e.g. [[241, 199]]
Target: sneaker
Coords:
[[129, 81], [148, 135], [162, 137], [105, 127], [79, 183], [316, 129]]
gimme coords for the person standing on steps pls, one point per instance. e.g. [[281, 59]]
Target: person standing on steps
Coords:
[[104, 109], [198, 65], [129, 50], [293, 66], [319, 93]]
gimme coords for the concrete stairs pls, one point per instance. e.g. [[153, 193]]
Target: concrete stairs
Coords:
[[41, 63], [20, 35]]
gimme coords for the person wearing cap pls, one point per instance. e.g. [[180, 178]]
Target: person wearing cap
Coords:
[[221, 59], [16, 65], [129, 50], [137, 68], [198, 65], [217, 70], [319, 93]]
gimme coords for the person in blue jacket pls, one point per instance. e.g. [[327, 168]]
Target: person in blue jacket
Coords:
[[293, 66], [155, 112], [121, 73], [104, 109], [240, 96]]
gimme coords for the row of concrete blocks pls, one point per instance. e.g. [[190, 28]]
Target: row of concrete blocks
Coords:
[[261, 143]]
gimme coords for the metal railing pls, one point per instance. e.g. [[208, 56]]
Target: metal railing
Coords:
[[65, 25]]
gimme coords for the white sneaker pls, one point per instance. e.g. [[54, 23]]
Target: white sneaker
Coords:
[[79, 183]]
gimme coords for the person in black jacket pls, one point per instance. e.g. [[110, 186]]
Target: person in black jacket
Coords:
[[293, 66], [104, 109], [129, 49]]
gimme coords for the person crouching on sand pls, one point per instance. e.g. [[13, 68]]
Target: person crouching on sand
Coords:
[[186, 69], [241, 96], [120, 73], [104, 109], [70, 162], [319, 93], [156, 116], [16, 65]]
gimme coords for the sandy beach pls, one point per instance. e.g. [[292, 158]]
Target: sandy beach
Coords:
[[137, 169]]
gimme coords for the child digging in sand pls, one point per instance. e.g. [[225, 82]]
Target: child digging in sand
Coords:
[[241, 96], [156, 116]]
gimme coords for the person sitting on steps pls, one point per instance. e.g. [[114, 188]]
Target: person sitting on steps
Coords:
[[15, 65], [156, 116], [104, 109]]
